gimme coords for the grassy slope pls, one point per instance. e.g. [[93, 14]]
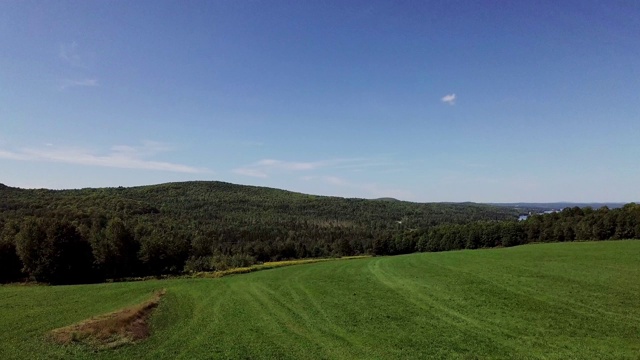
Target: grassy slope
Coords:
[[557, 301]]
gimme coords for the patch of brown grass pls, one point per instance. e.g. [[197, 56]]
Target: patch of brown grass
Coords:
[[113, 329]]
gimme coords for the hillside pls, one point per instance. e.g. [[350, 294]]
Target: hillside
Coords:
[[197, 226], [214, 201], [543, 301], [87, 235]]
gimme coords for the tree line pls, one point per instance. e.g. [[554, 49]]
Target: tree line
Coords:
[[90, 235], [570, 224]]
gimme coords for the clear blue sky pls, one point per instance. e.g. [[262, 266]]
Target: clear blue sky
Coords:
[[423, 101]]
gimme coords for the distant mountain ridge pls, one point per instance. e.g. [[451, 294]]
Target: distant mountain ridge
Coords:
[[558, 205], [255, 189]]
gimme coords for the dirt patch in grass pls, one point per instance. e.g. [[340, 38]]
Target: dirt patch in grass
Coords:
[[111, 330]]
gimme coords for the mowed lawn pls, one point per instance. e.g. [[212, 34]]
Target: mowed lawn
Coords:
[[544, 301]]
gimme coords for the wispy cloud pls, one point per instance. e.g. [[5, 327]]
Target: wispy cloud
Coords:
[[71, 55], [323, 173], [265, 167], [119, 156], [293, 165], [331, 180], [449, 99], [334, 180], [250, 172], [68, 83], [367, 190]]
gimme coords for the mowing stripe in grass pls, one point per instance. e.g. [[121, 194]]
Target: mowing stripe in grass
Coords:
[[546, 301]]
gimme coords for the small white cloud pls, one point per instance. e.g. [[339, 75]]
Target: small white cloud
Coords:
[[72, 55], [67, 83], [250, 172], [328, 179], [289, 165], [336, 181], [449, 99], [69, 53]]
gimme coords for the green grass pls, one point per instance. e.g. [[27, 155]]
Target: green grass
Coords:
[[546, 301]]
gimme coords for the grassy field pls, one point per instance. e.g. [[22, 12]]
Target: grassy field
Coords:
[[547, 301]]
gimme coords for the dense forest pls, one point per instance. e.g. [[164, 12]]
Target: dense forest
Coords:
[[87, 235]]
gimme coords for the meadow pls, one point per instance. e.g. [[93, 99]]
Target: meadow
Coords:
[[538, 301]]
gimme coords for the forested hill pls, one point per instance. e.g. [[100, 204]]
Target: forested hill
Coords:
[[64, 236], [213, 201]]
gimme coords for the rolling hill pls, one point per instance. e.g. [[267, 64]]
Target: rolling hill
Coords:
[[212, 200]]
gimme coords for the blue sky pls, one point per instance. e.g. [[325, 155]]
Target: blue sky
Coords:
[[422, 101]]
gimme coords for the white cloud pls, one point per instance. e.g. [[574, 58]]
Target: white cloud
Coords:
[[120, 156], [449, 99], [69, 52], [72, 55], [366, 190], [265, 167], [13, 155], [327, 179], [318, 173], [292, 165], [250, 172], [288, 165], [334, 180], [68, 83]]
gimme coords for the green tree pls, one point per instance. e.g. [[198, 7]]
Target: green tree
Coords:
[[10, 264], [55, 252], [116, 250]]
